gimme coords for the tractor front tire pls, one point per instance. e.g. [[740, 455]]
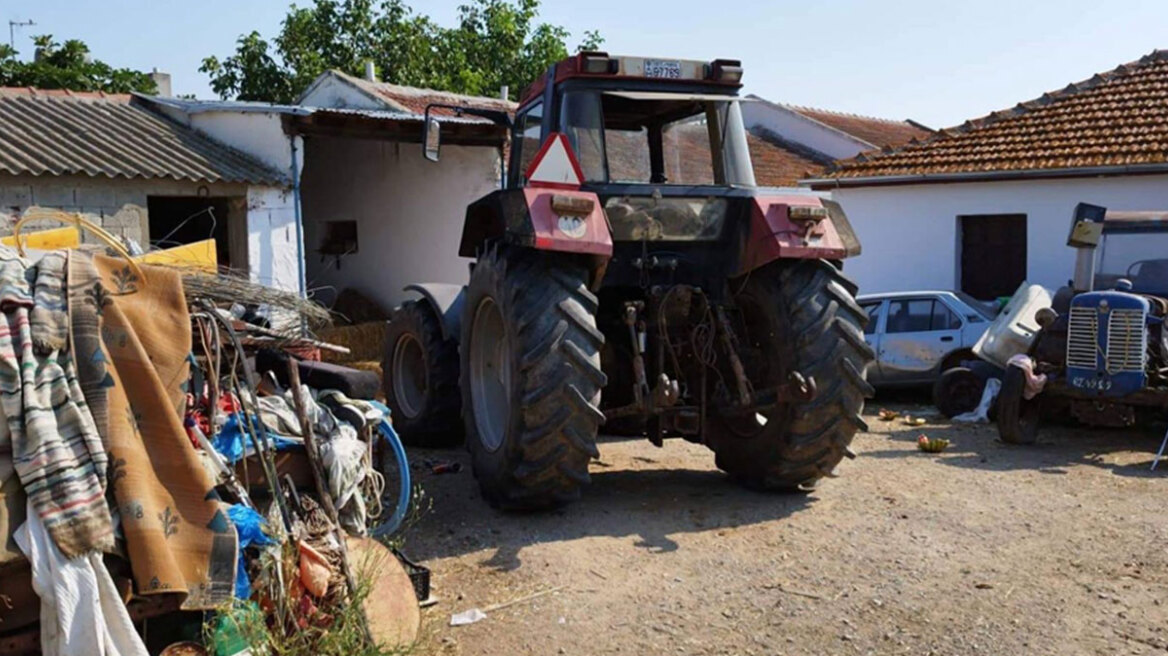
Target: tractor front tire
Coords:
[[800, 317], [1018, 419], [420, 378], [531, 377]]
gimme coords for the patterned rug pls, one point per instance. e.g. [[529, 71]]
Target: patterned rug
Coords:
[[131, 337]]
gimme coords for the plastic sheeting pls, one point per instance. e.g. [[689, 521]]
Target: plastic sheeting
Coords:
[[250, 526]]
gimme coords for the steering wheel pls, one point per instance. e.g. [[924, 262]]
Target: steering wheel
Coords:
[[1131, 270]]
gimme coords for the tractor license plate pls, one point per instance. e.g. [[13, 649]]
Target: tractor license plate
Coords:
[[669, 68]]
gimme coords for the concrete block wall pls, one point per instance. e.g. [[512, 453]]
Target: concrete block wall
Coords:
[[117, 204]]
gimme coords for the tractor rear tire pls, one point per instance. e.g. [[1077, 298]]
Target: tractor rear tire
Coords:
[[531, 378], [1018, 419], [420, 378], [799, 317]]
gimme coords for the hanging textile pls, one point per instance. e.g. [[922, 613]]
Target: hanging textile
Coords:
[[131, 337]]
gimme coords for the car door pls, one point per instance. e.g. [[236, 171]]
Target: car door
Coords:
[[875, 311], [918, 333]]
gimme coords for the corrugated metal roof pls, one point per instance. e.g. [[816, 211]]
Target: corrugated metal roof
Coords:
[[195, 106], [415, 99], [62, 132], [401, 117]]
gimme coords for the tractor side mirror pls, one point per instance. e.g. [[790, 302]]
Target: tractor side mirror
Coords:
[[431, 139]]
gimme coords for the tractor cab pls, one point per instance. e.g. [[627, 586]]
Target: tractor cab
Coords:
[[636, 123], [1132, 247]]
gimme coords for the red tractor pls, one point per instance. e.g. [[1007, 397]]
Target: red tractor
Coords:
[[629, 276]]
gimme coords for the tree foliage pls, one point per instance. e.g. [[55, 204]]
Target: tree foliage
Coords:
[[68, 66], [494, 43]]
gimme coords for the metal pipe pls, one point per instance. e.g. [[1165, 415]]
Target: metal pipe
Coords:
[[302, 280]]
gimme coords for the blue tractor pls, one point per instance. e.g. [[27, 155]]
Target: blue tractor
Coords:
[[1102, 345]]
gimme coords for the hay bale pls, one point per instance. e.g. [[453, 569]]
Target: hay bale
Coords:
[[365, 340]]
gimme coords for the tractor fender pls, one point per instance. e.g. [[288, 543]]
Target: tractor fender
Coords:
[[446, 300], [544, 218], [776, 231]]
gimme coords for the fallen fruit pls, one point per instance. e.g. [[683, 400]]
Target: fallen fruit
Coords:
[[932, 444], [887, 415], [914, 421]]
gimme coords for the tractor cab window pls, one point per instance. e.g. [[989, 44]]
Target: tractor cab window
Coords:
[[1137, 255], [657, 138], [527, 126]]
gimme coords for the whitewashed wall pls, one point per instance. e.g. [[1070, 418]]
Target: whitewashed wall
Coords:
[[328, 90], [792, 125], [910, 234], [271, 237], [409, 213]]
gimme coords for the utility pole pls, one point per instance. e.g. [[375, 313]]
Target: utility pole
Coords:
[[12, 25]]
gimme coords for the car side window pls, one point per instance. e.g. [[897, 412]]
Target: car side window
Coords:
[[873, 310], [944, 318], [918, 315], [909, 316]]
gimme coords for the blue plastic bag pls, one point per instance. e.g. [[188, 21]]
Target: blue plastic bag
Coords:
[[229, 441], [249, 525]]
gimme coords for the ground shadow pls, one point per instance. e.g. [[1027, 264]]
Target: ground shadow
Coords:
[[651, 504], [1060, 445]]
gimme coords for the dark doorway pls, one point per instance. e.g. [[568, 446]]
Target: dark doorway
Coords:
[[177, 220], [993, 254]]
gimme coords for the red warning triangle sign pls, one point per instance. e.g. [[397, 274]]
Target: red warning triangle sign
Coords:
[[555, 165]]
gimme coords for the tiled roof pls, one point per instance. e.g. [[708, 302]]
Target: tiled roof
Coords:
[[879, 132], [779, 163], [45, 132], [414, 100], [1118, 118]]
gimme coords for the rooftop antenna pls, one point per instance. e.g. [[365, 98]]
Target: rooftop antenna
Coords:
[[12, 25]]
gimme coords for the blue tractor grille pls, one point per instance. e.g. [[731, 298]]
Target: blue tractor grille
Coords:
[[1107, 337]]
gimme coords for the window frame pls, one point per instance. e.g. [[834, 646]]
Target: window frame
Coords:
[[874, 322], [932, 312], [519, 126]]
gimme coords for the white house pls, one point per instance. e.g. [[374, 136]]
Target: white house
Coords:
[[366, 211], [986, 205]]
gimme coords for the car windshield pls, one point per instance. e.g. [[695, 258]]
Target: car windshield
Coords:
[[657, 138], [1137, 256]]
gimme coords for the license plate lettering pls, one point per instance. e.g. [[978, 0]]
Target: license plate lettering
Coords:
[[1088, 383], [666, 68]]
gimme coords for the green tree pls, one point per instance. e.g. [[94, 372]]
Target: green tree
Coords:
[[68, 66], [495, 43]]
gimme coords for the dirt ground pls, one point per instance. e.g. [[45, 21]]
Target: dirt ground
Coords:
[[984, 549]]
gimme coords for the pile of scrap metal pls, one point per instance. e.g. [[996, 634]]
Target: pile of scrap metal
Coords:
[[160, 455]]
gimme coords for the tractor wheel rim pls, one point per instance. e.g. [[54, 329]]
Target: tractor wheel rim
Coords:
[[410, 378], [490, 375]]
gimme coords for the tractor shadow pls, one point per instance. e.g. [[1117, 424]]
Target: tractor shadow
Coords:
[[641, 498], [1126, 453]]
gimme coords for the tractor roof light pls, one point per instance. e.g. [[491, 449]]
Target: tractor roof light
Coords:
[[596, 63], [726, 70], [806, 213]]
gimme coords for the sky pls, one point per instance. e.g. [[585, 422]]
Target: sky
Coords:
[[938, 63]]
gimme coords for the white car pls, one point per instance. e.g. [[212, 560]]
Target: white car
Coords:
[[919, 335]]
